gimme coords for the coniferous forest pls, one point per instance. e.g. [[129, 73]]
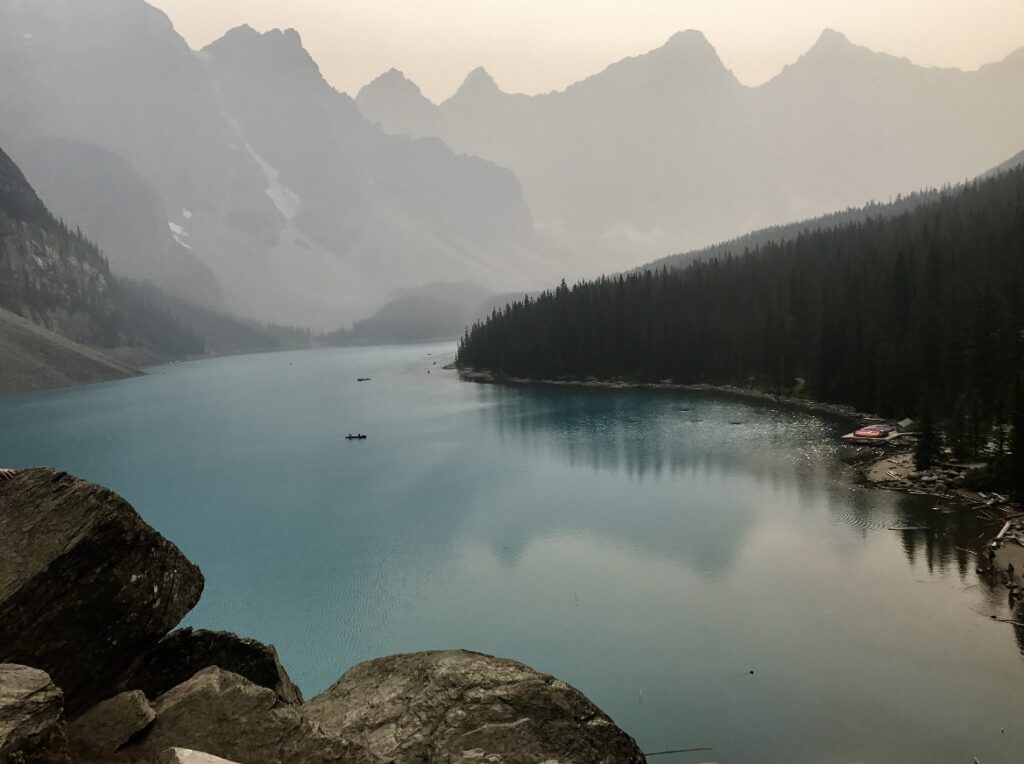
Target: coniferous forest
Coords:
[[921, 313]]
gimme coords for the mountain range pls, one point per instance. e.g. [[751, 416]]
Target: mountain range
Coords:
[[237, 176], [668, 151]]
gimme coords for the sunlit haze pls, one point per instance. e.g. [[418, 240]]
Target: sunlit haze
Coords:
[[535, 46]]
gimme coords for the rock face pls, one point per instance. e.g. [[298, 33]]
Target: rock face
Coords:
[[182, 653], [85, 584], [31, 718], [107, 726], [459, 706], [226, 715]]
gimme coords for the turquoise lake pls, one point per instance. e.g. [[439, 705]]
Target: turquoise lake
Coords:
[[650, 548]]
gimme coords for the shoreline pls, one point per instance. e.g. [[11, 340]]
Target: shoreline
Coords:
[[889, 469], [752, 394]]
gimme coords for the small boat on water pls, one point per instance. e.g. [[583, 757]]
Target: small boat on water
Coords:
[[358, 436], [363, 379]]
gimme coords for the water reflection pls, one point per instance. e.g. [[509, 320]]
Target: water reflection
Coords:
[[623, 540], [643, 432], [646, 435]]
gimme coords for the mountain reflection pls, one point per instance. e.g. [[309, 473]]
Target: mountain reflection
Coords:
[[700, 439], [728, 460], [644, 433]]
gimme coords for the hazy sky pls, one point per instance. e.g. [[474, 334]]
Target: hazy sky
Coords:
[[534, 46]]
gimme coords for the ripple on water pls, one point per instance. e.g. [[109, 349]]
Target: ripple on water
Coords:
[[869, 513]]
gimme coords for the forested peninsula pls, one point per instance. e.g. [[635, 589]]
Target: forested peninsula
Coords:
[[919, 314]]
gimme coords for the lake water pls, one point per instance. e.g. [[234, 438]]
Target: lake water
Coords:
[[650, 548]]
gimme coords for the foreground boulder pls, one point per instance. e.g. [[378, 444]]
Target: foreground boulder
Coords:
[[107, 726], [85, 584], [182, 653], [226, 715], [459, 706], [31, 718]]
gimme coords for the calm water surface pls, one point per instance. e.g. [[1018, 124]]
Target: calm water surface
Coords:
[[639, 545]]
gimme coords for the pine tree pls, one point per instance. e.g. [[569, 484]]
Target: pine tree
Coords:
[[1017, 442], [926, 453]]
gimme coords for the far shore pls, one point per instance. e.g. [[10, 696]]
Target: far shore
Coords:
[[888, 468], [749, 393]]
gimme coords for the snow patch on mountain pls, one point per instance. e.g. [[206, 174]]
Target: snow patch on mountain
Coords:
[[288, 202], [180, 234]]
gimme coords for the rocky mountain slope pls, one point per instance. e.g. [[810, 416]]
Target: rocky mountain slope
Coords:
[[304, 212], [82, 574], [121, 212], [668, 151], [50, 274], [59, 280], [62, 311], [34, 358]]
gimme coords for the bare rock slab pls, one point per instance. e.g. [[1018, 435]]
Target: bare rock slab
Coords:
[[107, 726], [32, 729], [226, 715], [184, 652], [459, 706], [85, 584], [184, 756]]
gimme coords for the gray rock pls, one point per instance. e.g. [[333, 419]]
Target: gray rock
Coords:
[[85, 584], [459, 706], [107, 726], [184, 652], [184, 756], [32, 729], [226, 715]]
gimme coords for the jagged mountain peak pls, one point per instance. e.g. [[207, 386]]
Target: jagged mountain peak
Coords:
[[688, 39], [274, 49], [686, 60], [831, 39], [834, 55], [478, 82], [688, 48], [393, 82], [835, 46]]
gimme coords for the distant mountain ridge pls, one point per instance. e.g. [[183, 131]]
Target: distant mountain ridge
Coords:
[[439, 311], [668, 151], [902, 203]]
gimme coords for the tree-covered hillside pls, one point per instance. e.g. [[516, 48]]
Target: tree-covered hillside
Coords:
[[58, 279], [889, 314], [778, 233]]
